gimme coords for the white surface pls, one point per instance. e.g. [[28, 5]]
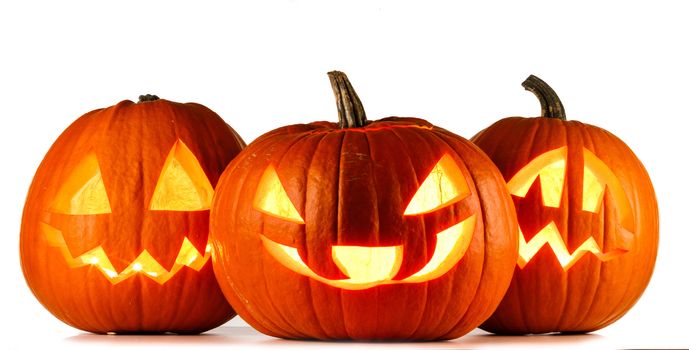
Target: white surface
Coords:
[[621, 66], [245, 337]]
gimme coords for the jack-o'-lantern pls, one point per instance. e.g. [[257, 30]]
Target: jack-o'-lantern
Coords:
[[388, 229], [114, 236], [588, 221]]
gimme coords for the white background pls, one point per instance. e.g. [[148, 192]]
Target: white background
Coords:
[[621, 66]]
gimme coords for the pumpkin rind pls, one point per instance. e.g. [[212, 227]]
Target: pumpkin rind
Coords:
[[351, 186], [591, 294], [131, 142]]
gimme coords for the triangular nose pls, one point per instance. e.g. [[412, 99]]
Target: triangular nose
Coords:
[[368, 264]]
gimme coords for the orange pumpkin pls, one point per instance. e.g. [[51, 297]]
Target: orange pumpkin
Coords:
[[588, 221], [115, 227], [388, 229]]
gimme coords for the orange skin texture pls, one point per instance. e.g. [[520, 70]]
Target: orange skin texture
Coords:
[[351, 187], [131, 142], [592, 294]]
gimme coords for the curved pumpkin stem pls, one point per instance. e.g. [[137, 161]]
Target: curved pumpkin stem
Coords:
[[148, 98], [349, 108], [551, 106]]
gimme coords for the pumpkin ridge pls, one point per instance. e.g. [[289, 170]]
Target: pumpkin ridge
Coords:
[[449, 333], [421, 312], [316, 315], [313, 314], [295, 332], [220, 196], [585, 138]]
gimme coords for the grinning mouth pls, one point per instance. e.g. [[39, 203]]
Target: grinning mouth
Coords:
[[144, 264], [369, 267], [551, 235]]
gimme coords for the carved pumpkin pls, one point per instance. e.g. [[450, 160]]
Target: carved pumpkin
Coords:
[[115, 227], [389, 229], [588, 221]]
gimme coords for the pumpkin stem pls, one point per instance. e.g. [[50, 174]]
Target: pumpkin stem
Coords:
[[148, 98], [349, 108], [551, 106]]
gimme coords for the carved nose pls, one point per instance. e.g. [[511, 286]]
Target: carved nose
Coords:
[[368, 264]]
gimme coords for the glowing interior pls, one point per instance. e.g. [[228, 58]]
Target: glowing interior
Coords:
[[592, 196], [549, 167], [551, 235], [596, 178], [368, 264], [450, 246], [272, 199], [83, 193], [182, 185], [607, 179], [144, 264], [382, 263], [443, 186]]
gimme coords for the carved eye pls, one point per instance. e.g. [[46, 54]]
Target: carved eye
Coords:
[[549, 167], [443, 186], [272, 199], [598, 177], [84, 192], [182, 185]]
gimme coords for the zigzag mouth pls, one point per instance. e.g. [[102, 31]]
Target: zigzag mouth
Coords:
[[144, 264], [369, 267], [551, 235]]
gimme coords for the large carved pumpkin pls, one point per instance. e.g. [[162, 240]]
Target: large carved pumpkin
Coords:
[[388, 229], [588, 221], [115, 227]]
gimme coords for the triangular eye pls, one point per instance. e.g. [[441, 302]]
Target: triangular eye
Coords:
[[549, 167], [83, 193], [272, 199], [182, 185], [444, 185]]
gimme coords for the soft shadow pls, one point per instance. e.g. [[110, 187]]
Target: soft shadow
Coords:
[[468, 341], [349, 344], [248, 336], [476, 339], [220, 335]]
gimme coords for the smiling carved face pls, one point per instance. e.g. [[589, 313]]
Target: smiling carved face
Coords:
[[370, 266], [81, 217], [311, 217], [117, 218]]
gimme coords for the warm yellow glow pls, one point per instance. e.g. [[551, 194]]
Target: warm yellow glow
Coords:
[[549, 167], [272, 199], [368, 264], [83, 193], [368, 267], [143, 264], [182, 185], [606, 177], [443, 186], [450, 246], [592, 194], [551, 235]]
